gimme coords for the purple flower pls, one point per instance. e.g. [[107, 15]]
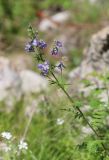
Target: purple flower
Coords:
[[35, 42], [44, 68], [42, 44], [58, 44], [55, 51], [60, 65], [29, 47]]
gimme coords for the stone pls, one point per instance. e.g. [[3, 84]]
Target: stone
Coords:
[[15, 84], [10, 83], [54, 21], [98, 51], [96, 59], [32, 82], [96, 55]]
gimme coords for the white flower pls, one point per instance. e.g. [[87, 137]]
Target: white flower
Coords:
[[6, 135], [60, 121], [22, 145]]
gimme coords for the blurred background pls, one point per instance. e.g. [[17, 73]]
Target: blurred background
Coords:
[[52, 134], [71, 21]]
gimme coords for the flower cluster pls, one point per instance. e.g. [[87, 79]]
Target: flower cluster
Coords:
[[57, 46], [35, 43], [22, 145], [44, 66], [6, 135], [60, 121], [60, 65]]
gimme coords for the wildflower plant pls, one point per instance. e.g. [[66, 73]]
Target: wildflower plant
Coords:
[[11, 149], [47, 69], [6, 135], [60, 121]]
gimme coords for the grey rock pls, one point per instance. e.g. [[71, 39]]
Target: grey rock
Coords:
[[10, 82], [32, 82], [14, 84], [96, 55], [96, 59], [53, 21]]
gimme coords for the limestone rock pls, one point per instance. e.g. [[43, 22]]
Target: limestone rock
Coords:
[[32, 82], [54, 21], [14, 84], [96, 59], [96, 55], [10, 82]]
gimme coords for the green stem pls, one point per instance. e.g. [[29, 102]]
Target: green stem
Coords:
[[79, 110]]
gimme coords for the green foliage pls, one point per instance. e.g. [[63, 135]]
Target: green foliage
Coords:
[[47, 139], [15, 15], [75, 57], [98, 117], [84, 12], [51, 3]]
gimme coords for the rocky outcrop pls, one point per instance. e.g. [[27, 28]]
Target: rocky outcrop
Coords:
[[54, 21], [96, 55], [32, 82], [96, 59], [14, 84], [10, 83]]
